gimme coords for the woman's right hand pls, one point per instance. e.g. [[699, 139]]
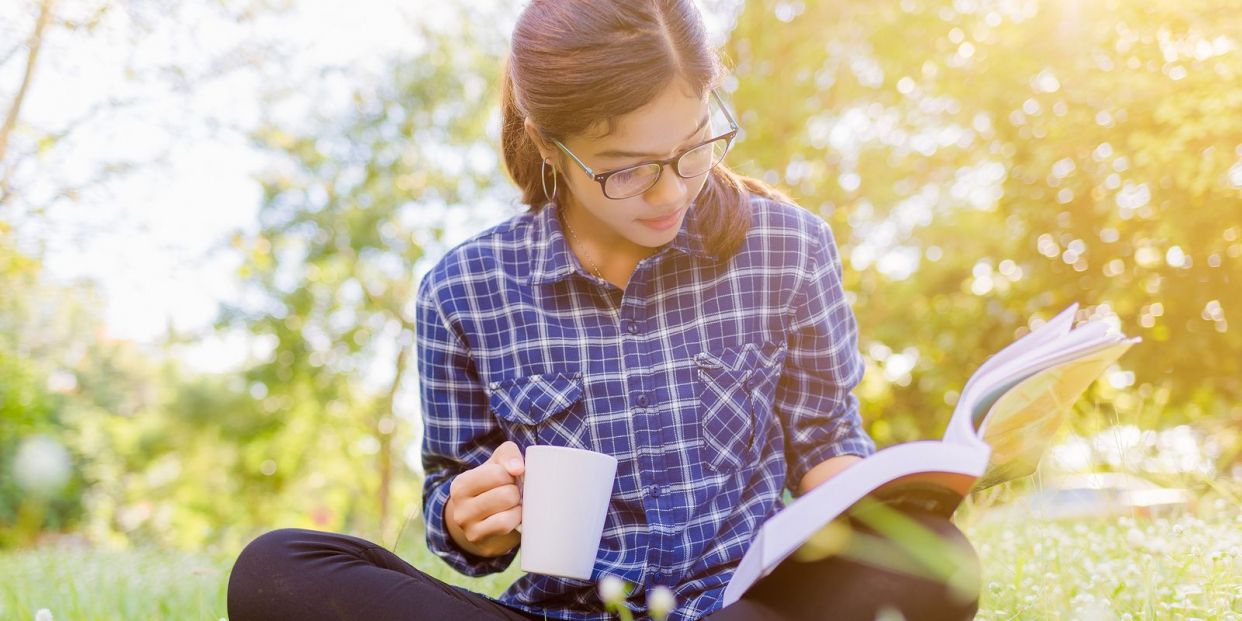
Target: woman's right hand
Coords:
[[484, 508]]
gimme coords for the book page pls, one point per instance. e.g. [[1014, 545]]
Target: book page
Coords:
[[1085, 341], [1053, 329], [959, 430], [977, 399], [1024, 421]]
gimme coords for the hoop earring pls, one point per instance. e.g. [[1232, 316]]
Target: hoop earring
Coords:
[[543, 179]]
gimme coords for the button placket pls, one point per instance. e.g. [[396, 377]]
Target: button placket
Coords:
[[630, 335]]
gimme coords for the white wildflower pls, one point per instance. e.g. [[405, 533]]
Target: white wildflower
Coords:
[[661, 602], [611, 590], [43, 615], [890, 614], [42, 464]]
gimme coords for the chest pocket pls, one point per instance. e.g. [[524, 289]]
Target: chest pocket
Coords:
[[736, 387], [538, 409]]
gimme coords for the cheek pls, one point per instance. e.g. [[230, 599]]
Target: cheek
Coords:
[[585, 190]]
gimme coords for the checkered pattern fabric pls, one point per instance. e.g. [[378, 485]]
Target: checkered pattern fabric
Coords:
[[715, 382]]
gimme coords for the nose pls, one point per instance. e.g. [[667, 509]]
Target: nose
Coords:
[[669, 189]]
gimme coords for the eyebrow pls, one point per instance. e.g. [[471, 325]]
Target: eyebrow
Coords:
[[615, 153]]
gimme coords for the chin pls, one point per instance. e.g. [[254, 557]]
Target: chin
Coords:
[[655, 239]]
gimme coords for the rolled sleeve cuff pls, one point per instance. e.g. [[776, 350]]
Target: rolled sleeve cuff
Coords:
[[854, 441], [442, 545]]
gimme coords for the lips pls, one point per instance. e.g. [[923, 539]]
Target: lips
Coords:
[[663, 219]]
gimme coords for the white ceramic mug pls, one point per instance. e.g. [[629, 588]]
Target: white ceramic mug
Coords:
[[565, 495]]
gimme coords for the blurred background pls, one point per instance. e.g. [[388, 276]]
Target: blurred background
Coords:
[[213, 217]]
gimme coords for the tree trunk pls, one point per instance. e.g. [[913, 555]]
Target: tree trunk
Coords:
[[385, 433]]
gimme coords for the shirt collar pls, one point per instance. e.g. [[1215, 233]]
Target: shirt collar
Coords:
[[552, 260]]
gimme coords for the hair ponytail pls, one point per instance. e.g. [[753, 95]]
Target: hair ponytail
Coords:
[[521, 156]]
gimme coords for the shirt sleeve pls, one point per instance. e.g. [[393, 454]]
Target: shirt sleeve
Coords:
[[458, 431], [814, 398]]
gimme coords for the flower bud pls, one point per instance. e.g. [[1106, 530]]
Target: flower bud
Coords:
[[611, 590], [661, 602]]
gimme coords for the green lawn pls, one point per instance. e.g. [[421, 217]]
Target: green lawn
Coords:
[[1185, 566]]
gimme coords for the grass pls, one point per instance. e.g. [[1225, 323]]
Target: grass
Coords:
[[1178, 567], [97, 584], [1187, 565]]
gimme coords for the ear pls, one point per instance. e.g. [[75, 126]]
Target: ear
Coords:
[[545, 149]]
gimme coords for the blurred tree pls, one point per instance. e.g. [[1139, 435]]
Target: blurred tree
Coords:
[[977, 176], [349, 207], [150, 450]]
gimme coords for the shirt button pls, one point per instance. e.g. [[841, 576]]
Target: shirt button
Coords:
[[746, 384], [654, 491], [642, 401], [632, 327]]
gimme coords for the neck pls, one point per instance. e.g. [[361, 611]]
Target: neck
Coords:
[[597, 243]]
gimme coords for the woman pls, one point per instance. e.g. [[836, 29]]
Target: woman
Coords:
[[651, 305]]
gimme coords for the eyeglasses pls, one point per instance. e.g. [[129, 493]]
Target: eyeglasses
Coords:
[[692, 162]]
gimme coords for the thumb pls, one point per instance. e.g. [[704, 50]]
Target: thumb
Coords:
[[510, 456]]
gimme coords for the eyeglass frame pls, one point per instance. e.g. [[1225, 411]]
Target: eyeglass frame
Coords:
[[602, 177]]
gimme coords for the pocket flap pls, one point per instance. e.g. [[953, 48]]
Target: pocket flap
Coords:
[[531, 399], [736, 365]]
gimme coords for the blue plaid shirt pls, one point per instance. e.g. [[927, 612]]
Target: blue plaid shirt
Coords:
[[715, 384]]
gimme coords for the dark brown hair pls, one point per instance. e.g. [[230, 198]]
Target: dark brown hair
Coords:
[[575, 64]]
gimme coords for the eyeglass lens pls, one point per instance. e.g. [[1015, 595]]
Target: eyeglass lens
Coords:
[[695, 162]]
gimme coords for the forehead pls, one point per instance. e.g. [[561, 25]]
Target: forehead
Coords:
[[659, 126]]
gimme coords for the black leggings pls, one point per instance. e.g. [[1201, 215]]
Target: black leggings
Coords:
[[308, 575]]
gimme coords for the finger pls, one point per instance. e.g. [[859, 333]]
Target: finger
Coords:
[[498, 499], [488, 503], [509, 455], [481, 479], [501, 523]]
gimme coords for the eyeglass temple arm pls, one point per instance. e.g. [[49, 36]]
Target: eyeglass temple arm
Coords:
[[570, 154], [728, 115]]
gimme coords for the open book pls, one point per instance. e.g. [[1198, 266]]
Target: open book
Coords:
[[1004, 420]]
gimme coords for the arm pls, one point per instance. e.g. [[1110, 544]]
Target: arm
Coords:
[[458, 431], [826, 470], [814, 400]]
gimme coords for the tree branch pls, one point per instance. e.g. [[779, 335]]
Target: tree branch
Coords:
[[15, 108]]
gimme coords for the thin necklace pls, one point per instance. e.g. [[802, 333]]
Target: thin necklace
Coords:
[[584, 250]]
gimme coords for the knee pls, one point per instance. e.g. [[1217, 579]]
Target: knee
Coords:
[[266, 549], [259, 566]]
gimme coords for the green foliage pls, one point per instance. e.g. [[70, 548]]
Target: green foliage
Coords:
[[1020, 175], [27, 409]]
